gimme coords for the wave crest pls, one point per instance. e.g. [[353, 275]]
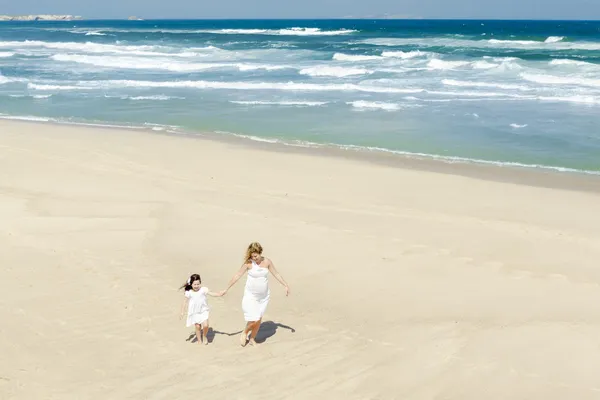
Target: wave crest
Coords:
[[339, 72], [280, 32]]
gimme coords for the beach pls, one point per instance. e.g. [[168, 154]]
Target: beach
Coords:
[[406, 282]]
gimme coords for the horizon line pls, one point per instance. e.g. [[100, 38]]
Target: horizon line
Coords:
[[382, 18]]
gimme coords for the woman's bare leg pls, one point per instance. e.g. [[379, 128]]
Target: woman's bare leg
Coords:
[[254, 332], [244, 336]]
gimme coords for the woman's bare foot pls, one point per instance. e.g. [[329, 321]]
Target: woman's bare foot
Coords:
[[252, 342], [244, 338], [200, 340]]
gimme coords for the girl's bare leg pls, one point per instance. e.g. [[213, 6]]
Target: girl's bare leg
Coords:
[[205, 332], [198, 336], [254, 332]]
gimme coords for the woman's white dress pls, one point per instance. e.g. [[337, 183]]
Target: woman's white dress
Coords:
[[256, 294], [197, 306]]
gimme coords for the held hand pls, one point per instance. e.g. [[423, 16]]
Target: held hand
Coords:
[[287, 291], [222, 292]]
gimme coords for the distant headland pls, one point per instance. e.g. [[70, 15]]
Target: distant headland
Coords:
[[45, 17]]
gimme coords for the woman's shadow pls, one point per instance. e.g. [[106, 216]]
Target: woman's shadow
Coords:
[[268, 329]]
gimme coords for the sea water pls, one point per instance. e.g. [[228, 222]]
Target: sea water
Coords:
[[506, 92]]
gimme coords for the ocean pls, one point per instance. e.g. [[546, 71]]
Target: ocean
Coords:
[[521, 93]]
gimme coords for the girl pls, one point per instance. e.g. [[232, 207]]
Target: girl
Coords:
[[197, 307]]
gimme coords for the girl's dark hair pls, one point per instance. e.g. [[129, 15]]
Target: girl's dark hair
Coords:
[[188, 286]]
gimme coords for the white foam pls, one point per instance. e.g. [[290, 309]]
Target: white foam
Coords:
[[35, 86], [501, 59], [266, 67], [162, 127], [553, 39], [4, 79], [517, 126], [574, 63], [484, 65], [157, 63], [481, 43], [280, 32], [519, 43], [282, 103], [295, 31], [338, 72], [478, 97], [134, 62], [6, 54], [159, 97], [509, 65], [578, 99], [442, 158], [91, 47], [405, 55], [465, 160], [437, 64], [285, 86], [26, 118], [478, 94], [374, 105], [35, 96], [353, 57], [81, 31], [255, 138], [453, 82], [283, 45], [446, 159], [561, 80]]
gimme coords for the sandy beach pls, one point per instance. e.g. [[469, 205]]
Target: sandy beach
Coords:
[[406, 282]]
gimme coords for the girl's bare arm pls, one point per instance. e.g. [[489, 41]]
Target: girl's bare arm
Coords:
[[183, 306]]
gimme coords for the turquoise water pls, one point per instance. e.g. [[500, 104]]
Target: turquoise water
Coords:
[[524, 92]]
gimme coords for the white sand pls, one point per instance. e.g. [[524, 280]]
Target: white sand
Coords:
[[405, 284]]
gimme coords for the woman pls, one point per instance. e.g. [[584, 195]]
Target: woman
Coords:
[[256, 293]]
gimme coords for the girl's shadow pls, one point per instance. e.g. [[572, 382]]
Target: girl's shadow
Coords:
[[210, 335]]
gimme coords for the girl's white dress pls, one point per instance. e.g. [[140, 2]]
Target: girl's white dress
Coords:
[[256, 294], [197, 306]]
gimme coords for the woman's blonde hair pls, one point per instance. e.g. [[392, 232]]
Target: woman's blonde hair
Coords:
[[254, 247]]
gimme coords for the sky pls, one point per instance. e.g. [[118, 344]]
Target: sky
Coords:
[[154, 9]]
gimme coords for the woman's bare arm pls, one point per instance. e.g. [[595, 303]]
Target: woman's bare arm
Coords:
[[236, 277], [216, 294], [278, 276]]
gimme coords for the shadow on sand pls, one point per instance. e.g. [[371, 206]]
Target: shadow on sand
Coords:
[[267, 329], [210, 335]]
